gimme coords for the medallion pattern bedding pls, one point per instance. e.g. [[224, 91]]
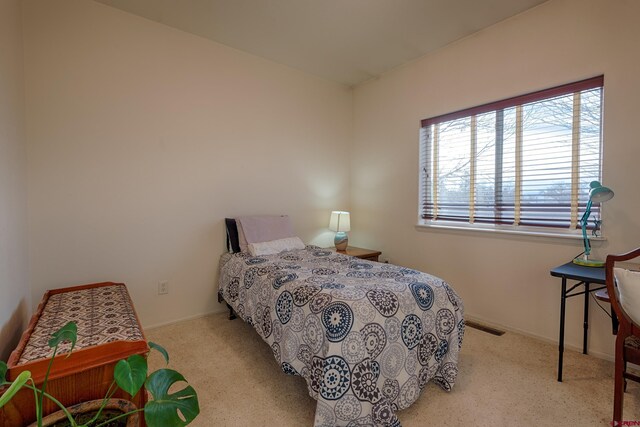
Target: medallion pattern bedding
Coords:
[[366, 336]]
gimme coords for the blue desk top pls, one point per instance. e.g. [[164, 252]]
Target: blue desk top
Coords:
[[580, 272]]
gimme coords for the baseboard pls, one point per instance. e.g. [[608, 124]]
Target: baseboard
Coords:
[[182, 319], [597, 354]]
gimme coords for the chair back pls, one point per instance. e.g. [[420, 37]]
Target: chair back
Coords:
[[627, 326]]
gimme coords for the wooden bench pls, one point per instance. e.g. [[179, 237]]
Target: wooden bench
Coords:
[[108, 331]]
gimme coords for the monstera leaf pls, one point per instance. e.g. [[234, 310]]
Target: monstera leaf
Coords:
[[14, 387], [160, 349], [130, 373], [169, 410], [68, 332]]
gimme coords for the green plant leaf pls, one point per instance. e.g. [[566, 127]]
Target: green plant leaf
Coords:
[[68, 332], [131, 373], [3, 371], [15, 386], [160, 349], [168, 410]]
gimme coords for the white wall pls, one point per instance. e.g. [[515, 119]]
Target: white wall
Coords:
[[14, 285], [503, 280], [142, 138]]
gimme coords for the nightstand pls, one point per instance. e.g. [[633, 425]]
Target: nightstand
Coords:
[[361, 253]]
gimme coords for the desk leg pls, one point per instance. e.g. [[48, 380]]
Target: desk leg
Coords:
[[563, 300], [586, 317]]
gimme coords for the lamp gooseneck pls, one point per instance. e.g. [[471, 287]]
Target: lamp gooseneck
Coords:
[[583, 222]]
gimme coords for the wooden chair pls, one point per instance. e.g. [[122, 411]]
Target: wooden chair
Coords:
[[627, 339]]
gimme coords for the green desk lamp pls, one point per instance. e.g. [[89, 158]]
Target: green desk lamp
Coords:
[[597, 194]]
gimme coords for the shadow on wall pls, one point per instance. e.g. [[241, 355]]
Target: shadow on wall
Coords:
[[12, 330]]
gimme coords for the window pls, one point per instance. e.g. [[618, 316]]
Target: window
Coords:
[[523, 163]]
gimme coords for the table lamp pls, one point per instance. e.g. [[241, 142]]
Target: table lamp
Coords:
[[340, 223], [597, 194]]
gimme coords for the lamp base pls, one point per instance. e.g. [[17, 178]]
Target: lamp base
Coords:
[[586, 262], [341, 241]]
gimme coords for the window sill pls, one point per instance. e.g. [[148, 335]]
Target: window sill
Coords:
[[474, 228]]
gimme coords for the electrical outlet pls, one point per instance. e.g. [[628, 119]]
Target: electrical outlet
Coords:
[[163, 287]]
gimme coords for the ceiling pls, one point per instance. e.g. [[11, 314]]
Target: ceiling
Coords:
[[346, 41]]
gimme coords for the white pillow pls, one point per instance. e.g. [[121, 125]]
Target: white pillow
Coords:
[[275, 246], [629, 289]]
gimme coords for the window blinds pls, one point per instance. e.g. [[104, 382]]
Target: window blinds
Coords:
[[526, 160]]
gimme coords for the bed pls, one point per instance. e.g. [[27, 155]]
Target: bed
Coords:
[[367, 337]]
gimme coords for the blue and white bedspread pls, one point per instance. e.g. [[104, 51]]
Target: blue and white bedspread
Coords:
[[366, 336]]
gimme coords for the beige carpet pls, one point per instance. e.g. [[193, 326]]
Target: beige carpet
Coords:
[[503, 381]]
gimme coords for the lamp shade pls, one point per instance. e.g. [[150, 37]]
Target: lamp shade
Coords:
[[599, 193], [339, 221]]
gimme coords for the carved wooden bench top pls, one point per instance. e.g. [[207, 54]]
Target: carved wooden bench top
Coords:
[[108, 330], [103, 315]]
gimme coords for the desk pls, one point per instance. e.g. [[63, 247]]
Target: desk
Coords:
[[603, 295], [585, 276]]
